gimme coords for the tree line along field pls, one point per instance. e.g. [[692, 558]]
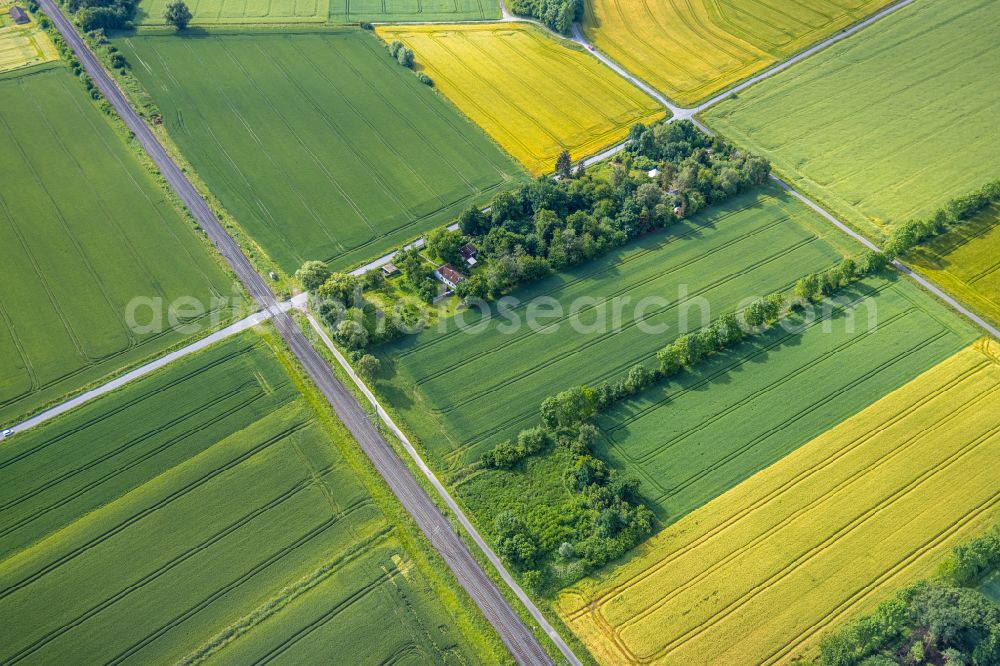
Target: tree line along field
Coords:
[[534, 95], [206, 512], [249, 12], [447, 384], [22, 45], [887, 125], [692, 50], [84, 229], [320, 144], [693, 438], [762, 572], [966, 262]]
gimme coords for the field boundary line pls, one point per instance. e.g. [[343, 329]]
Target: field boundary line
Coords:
[[152, 366], [444, 494]]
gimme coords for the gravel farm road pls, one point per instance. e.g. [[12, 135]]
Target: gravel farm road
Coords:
[[438, 530]]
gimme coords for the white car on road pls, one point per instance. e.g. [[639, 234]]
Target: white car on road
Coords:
[[6, 433]]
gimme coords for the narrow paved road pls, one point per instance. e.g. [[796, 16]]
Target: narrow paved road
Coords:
[[517, 637], [152, 366]]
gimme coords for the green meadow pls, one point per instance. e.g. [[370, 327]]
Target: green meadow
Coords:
[[84, 230], [207, 511], [887, 125], [319, 144]]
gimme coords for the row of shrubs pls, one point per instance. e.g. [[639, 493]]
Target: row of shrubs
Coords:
[[908, 235]]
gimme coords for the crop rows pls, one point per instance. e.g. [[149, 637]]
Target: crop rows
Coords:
[[453, 380], [833, 124], [212, 488], [691, 50], [758, 574], [966, 262], [97, 225], [534, 96], [319, 144], [696, 437]]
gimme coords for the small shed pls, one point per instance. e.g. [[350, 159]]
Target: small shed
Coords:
[[654, 173], [448, 275], [389, 270], [468, 252], [19, 16]]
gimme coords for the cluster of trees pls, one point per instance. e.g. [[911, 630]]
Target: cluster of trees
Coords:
[[909, 234], [602, 522], [356, 323], [106, 14], [939, 621], [558, 15], [703, 170], [400, 53], [404, 56], [548, 224]]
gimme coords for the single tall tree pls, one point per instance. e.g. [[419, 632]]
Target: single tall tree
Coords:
[[177, 14], [564, 165]]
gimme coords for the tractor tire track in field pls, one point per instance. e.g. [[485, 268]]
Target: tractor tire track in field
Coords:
[[843, 531], [168, 566], [96, 483], [523, 645], [792, 484], [860, 595], [829, 495], [736, 453], [149, 510]]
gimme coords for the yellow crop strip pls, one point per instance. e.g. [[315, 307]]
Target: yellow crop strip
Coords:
[[22, 45], [692, 49], [534, 95], [759, 574]]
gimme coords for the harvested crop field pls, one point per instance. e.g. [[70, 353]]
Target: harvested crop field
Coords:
[[447, 384], [693, 438], [534, 95], [761, 573], [84, 230], [22, 45], [206, 510], [319, 144], [887, 125], [966, 262], [350, 11], [692, 50]]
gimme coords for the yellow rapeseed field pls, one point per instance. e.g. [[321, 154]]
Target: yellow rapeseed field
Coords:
[[691, 49], [534, 95], [22, 45], [760, 573]]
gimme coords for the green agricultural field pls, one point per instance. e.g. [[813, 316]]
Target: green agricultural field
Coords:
[[888, 124], [691, 439], [449, 384], [350, 11], [319, 144], [207, 511], [241, 12], [84, 230], [966, 262]]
